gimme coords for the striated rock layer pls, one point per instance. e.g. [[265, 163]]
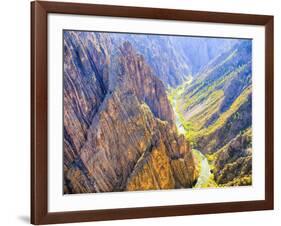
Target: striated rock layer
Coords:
[[118, 124]]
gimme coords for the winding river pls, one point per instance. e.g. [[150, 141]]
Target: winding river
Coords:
[[205, 175]]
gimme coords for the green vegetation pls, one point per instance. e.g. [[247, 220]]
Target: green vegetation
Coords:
[[197, 103], [224, 116]]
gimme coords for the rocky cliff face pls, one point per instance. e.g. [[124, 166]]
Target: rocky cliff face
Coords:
[[130, 73], [118, 124], [85, 87]]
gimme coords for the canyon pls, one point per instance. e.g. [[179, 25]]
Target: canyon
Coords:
[[138, 107]]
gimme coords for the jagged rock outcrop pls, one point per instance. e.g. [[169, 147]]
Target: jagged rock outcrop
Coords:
[[130, 73], [118, 124]]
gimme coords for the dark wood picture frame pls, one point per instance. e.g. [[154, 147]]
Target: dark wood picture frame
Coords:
[[39, 112]]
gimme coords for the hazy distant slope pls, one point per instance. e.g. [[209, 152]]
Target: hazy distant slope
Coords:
[[175, 58], [200, 51]]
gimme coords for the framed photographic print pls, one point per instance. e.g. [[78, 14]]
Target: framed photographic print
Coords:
[[146, 112]]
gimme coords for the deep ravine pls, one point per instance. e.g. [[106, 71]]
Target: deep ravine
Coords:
[[206, 177]]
